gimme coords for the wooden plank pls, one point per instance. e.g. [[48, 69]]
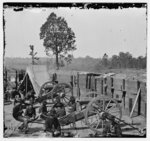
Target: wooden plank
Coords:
[[131, 86], [82, 81], [98, 85], [92, 83], [117, 95], [143, 109], [143, 88], [135, 102], [117, 84], [63, 78], [109, 92], [109, 82], [144, 98]]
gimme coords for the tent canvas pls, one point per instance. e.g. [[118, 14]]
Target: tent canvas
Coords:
[[38, 75]]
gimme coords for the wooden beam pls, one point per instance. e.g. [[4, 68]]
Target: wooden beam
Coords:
[[138, 93]]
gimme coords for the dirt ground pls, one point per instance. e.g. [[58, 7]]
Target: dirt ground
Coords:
[[36, 130]]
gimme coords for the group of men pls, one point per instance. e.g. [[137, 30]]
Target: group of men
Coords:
[[25, 112]]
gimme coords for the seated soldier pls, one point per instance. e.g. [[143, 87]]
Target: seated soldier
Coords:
[[71, 105], [59, 107], [30, 111], [18, 113], [72, 109], [52, 124], [43, 110], [30, 114], [17, 97], [30, 95], [112, 127]]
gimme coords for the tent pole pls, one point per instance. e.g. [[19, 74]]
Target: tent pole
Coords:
[[26, 84]]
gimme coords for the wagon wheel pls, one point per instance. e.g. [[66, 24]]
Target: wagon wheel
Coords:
[[46, 89], [63, 91], [97, 108]]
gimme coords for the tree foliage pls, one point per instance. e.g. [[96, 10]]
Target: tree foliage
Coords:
[[123, 60], [58, 37], [33, 54]]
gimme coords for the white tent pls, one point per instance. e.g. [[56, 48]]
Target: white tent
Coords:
[[38, 75]]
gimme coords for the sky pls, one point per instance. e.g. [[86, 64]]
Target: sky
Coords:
[[97, 31]]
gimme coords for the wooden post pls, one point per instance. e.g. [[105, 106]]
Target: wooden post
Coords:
[[16, 80], [123, 93], [139, 98], [130, 105], [112, 87], [71, 82], [105, 86], [95, 84], [102, 86], [89, 82], [86, 81], [78, 88]]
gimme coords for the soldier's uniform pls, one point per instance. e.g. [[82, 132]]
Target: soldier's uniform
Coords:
[[52, 124]]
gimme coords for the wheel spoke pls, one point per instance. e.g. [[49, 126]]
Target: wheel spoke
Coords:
[[67, 95], [102, 124], [96, 107], [114, 106], [94, 112], [97, 124], [107, 104], [116, 111], [66, 98], [95, 121]]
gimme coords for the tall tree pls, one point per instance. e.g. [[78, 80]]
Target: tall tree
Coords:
[[105, 60], [58, 37], [115, 61], [33, 55]]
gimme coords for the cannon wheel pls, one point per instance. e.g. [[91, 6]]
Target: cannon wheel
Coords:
[[46, 89], [63, 91], [95, 109]]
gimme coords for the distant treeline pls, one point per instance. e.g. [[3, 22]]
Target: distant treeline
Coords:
[[120, 61]]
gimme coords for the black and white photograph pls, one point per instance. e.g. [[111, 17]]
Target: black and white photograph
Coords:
[[74, 69]]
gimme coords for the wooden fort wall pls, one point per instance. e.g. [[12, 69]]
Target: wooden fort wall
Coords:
[[131, 93]]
